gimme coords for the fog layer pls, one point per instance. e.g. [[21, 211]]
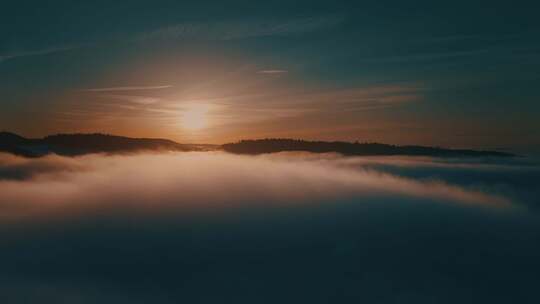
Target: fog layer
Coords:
[[285, 228]]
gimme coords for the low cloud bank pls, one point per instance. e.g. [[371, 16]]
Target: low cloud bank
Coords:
[[286, 228], [215, 180]]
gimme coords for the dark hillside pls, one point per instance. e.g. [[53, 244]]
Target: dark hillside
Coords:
[[367, 149], [80, 144]]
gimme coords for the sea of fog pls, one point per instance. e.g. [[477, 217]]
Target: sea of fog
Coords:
[[212, 227]]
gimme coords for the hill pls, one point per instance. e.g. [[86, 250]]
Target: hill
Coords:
[[261, 146], [79, 144]]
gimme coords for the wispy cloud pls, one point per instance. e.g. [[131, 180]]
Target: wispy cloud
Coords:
[[320, 99], [266, 103], [427, 56], [272, 72], [242, 29], [127, 88], [225, 30], [142, 100], [36, 52]]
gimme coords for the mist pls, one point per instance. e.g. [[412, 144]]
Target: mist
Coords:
[[207, 227]]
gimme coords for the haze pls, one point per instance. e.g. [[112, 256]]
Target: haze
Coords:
[[243, 151]]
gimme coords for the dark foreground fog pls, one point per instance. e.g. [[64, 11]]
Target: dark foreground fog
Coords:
[[285, 228]]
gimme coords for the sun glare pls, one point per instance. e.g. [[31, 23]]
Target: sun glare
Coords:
[[195, 118]]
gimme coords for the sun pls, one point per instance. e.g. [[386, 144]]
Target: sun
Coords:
[[195, 118]]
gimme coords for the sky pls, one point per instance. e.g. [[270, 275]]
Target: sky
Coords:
[[451, 74]]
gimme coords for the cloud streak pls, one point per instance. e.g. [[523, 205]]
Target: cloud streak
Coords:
[[127, 88], [260, 104], [37, 52], [234, 30], [272, 71], [226, 30]]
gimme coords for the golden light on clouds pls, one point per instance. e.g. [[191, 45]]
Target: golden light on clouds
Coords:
[[195, 117]]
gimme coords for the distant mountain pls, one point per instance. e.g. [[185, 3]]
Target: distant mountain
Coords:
[[362, 149], [79, 144]]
